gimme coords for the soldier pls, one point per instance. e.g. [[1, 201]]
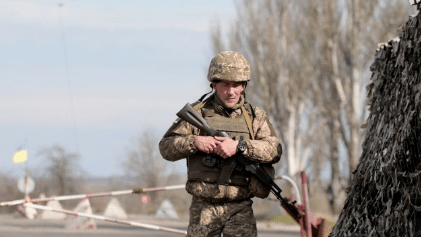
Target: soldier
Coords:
[[221, 200]]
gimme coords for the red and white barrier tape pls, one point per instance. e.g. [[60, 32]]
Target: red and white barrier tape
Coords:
[[103, 218], [92, 195]]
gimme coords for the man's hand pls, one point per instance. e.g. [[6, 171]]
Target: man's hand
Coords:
[[206, 144], [226, 147]]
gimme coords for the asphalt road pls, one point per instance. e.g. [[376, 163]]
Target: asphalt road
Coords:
[[12, 226]]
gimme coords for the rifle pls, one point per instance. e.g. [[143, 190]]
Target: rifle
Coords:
[[188, 114]]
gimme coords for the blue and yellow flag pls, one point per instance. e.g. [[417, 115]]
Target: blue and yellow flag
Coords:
[[20, 156]]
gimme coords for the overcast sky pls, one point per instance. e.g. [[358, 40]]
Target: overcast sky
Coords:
[[92, 75]]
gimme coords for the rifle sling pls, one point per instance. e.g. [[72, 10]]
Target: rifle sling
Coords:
[[248, 121], [227, 170]]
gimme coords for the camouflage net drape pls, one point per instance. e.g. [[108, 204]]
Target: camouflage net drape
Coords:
[[386, 188]]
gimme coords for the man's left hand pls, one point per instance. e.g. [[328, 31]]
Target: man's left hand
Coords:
[[226, 148]]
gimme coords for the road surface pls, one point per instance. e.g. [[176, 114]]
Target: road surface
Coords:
[[13, 226]]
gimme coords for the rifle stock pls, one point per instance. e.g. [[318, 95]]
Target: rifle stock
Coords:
[[188, 114]]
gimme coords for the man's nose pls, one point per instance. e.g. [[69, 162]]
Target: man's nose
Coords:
[[231, 90]]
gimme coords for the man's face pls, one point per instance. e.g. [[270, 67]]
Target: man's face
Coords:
[[228, 92]]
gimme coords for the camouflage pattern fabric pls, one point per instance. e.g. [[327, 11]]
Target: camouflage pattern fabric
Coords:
[[177, 143], [229, 66], [217, 193], [233, 214], [231, 219]]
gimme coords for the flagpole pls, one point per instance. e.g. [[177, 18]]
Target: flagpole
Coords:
[[26, 181]]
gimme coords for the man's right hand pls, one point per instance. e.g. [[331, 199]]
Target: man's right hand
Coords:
[[206, 144]]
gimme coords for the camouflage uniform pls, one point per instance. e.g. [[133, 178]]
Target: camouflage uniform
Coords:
[[229, 218], [217, 208]]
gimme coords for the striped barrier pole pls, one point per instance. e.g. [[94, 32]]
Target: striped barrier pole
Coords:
[[103, 218], [293, 184], [92, 195]]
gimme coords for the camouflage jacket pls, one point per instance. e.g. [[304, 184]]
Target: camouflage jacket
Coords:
[[177, 144]]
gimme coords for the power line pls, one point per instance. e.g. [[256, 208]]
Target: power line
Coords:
[[69, 84]]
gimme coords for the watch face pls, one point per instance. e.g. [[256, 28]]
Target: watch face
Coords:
[[242, 147]]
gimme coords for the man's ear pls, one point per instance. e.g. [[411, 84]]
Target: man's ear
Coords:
[[244, 87]]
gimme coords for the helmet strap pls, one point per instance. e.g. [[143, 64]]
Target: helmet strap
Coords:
[[244, 90]]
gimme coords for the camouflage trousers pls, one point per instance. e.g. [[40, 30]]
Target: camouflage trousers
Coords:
[[230, 219]]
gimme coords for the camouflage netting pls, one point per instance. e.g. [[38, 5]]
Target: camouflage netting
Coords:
[[385, 191]]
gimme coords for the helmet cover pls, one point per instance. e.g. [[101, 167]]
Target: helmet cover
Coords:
[[229, 66]]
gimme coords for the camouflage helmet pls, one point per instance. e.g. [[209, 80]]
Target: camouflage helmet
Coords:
[[229, 66]]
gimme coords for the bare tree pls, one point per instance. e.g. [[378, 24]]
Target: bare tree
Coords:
[[62, 168], [323, 17], [144, 161], [347, 35], [8, 190]]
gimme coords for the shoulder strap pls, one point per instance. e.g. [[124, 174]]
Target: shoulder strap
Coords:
[[201, 103], [248, 121]]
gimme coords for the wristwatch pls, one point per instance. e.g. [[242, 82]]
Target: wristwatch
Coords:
[[242, 145]]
